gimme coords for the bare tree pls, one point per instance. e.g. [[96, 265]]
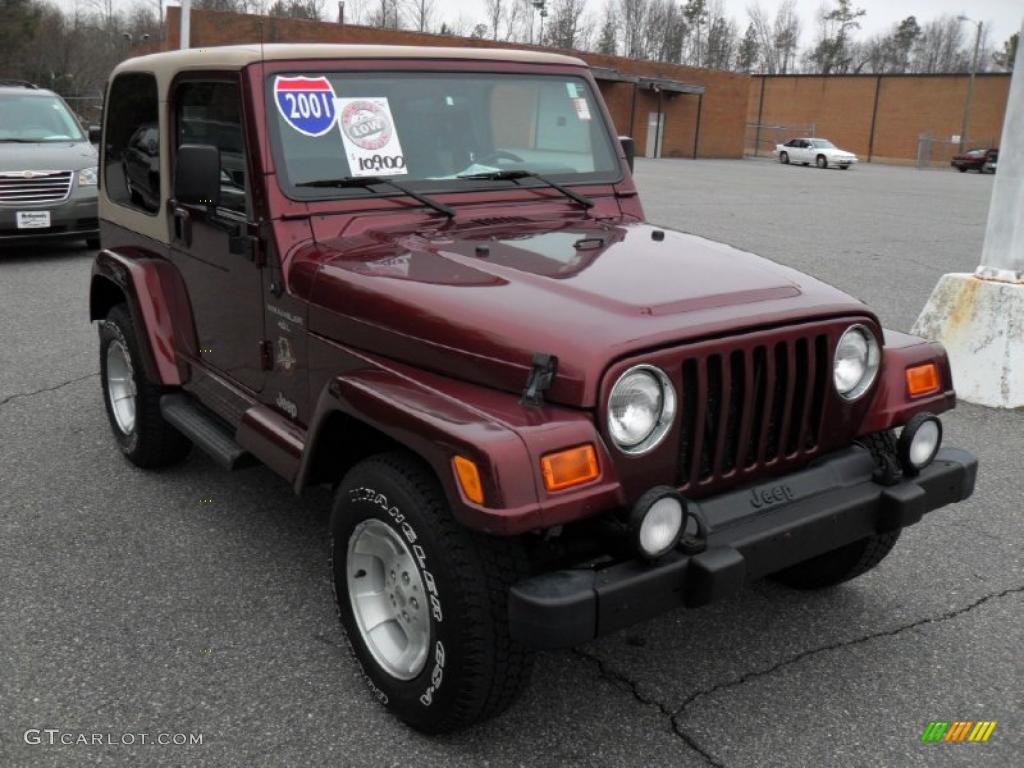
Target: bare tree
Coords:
[[722, 39], [786, 35], [749, 52], [422, 12], [495, 10], [608, 38], [633, 15], [939, 47], [1005, 58], [833, 52], [695, 22], [570, 26], [386, 15]]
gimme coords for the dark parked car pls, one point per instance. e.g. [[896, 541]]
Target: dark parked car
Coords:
[[422, 276], [980, 160], [141, 163], [47, 169]]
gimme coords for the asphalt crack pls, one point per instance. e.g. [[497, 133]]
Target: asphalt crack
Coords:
[[755, 674], [674, 715], [619, 679], [55, 387]]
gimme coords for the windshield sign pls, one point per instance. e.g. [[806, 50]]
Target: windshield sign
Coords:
[[31, 118], [434, 130]]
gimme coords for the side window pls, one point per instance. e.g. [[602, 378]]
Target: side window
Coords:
[[211, 113], [131, 154]]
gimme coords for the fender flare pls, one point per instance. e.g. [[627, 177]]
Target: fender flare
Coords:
[[158, 303], [892, 406], [435, 426]]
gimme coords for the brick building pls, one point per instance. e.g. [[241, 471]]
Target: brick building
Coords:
[[880, 117], [704, 113]]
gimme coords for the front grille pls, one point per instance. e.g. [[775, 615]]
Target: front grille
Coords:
[[33, 187], [751, 407]]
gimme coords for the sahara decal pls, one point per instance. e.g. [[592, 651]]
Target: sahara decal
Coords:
[[284, 358]]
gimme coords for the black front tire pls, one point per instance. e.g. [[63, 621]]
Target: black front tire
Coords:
[[473, 669], [151, 442], [840, 564], [822, 162], [784, 158]]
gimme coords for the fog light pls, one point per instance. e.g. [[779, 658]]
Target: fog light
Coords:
[[919, 442], [657, 522]]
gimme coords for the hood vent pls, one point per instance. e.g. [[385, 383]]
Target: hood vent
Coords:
[[497, 221]]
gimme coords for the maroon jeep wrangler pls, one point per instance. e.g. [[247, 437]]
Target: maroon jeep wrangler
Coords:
[[423, 276]]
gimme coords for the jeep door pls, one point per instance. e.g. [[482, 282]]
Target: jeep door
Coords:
[[215, 248]]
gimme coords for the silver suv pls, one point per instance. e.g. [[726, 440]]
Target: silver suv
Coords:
[[47, 169]]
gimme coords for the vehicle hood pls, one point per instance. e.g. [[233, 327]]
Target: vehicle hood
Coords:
[[836, 152], [46, 156], [477, 302]]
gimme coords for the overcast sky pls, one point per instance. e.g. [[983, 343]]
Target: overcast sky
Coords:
[[1003, 17]]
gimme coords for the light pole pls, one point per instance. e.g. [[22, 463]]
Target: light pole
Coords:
[[966, 124], [186, 24]]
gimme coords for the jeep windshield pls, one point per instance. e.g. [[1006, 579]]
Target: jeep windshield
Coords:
[[436, 131], [36, 117]]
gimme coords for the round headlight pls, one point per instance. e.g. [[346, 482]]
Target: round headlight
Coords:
[[856, 362], [919, 442], [641, 407], [657, 522]]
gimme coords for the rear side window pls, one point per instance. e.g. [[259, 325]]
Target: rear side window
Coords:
[[131, 154]]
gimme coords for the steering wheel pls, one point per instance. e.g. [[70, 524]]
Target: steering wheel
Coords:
[[498, 154]]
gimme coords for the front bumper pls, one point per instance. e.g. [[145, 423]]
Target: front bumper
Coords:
[[74, 218], [750, 534]]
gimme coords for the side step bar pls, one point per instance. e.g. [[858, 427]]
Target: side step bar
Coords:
[[205, 431]]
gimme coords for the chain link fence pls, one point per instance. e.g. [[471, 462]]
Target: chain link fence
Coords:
[[933, 152], [761, 138]]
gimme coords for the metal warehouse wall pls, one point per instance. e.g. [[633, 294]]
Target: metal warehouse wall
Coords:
[[707, 126], [880, 117]]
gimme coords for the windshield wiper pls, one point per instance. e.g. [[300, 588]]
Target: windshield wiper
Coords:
[[369, 181], [22, 141], [513, 175]]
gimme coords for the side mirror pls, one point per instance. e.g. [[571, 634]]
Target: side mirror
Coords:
[[197, 175], [628, 149], [95, 134]]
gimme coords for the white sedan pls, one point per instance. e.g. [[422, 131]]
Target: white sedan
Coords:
[[822, 152]]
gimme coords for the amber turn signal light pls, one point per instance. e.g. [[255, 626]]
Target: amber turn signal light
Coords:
[[922, 379], [573, 466], [469, 479]]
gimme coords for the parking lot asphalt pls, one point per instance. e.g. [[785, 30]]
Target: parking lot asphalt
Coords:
[[128, 606]]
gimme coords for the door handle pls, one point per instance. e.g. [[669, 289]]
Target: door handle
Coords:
[[182, 226]]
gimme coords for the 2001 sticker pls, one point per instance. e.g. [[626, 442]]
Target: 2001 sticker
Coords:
[[307, 104]]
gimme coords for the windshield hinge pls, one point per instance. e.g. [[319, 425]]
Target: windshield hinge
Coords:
[[542, 376], [266, 355]]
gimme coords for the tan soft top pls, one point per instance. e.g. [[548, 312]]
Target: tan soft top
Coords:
[[238, 56]]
